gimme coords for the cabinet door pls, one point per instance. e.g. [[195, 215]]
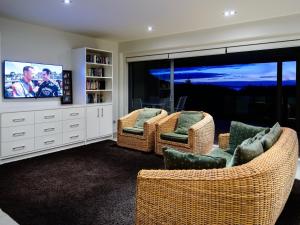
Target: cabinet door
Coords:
[[92, 122], [106, 121]]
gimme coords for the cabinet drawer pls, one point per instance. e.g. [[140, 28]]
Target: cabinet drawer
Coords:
[[48, 141], [73, 125], [73, 113], [47, 116], [17, 147], [43, 129], [74, 136], [17, 133], [17, 119]]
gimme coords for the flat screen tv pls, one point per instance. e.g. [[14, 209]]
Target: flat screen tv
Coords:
[[31, 80]]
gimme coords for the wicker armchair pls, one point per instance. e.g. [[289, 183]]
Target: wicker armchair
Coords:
[[253, 193], [200, 135], [145, 142]]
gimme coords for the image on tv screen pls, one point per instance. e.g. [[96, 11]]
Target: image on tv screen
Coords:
[[32, 80]]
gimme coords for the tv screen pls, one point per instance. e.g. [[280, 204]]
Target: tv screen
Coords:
[[31, 80]]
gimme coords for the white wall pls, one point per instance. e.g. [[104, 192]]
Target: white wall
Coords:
[[277, 29], [31, 43], [251, 32]]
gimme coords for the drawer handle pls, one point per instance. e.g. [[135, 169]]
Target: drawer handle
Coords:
[[18, 148], [73, 137], [49, 117], [74, 114], [18, 120], [49, 129], [49, 142], [74, 125], [18, 134]]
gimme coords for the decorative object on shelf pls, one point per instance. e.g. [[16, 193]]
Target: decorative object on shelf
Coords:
[[67, 87]]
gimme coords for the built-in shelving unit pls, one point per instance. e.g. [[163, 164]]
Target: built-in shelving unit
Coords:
[[93, 76]]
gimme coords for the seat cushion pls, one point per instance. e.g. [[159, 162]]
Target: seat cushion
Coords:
[[269, 139], [182, 138], [240, 132], [144, 115], [187, 119], [248, 150], [218, 152], [133, 130], [176, 160]]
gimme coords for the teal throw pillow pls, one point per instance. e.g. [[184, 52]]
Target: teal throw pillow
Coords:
[[218, 152], [176, 160], [248, 150], [239, 132], [271, 137], [187, 119], [144, 115]]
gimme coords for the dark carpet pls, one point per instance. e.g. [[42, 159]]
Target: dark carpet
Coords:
[[91, 185]]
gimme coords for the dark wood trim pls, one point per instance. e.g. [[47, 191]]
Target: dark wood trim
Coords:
[[298, 93], [279, 91]]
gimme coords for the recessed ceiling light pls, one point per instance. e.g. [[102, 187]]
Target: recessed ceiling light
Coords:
[[67, 2], [229, 13], [150, 28]]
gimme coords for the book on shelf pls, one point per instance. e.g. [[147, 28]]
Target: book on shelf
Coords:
[[95, 85], [96, 72], [97, 58], [95, 98]]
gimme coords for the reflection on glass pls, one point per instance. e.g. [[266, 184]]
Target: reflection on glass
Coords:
[[146, 90], [289, 93], [244, 92]]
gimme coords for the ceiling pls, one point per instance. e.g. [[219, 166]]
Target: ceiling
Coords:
[[123, 20]]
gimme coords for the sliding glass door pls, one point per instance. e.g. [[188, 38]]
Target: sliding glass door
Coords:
[[259, 87], [289, 94], [149, 84]]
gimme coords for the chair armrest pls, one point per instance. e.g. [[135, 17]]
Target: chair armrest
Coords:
[[127, 121], [167, 124], [223, 140], [201, 135], [149, 125]]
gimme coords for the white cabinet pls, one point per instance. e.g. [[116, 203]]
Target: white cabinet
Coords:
[[106, 121], [73, 113], [92, 122], [12, 148], [35, 132], [72, 125], [17, 133], [17, 119], [47, 116], [46, 129], [99, 121], [47, 142], [73, 136]]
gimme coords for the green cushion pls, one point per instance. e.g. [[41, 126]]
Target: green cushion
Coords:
[[133, 130], [218, 152], [176, 160], [240, 132], [144, 115], [271, 137], [248, 150], [186, 119], [182, 138]]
